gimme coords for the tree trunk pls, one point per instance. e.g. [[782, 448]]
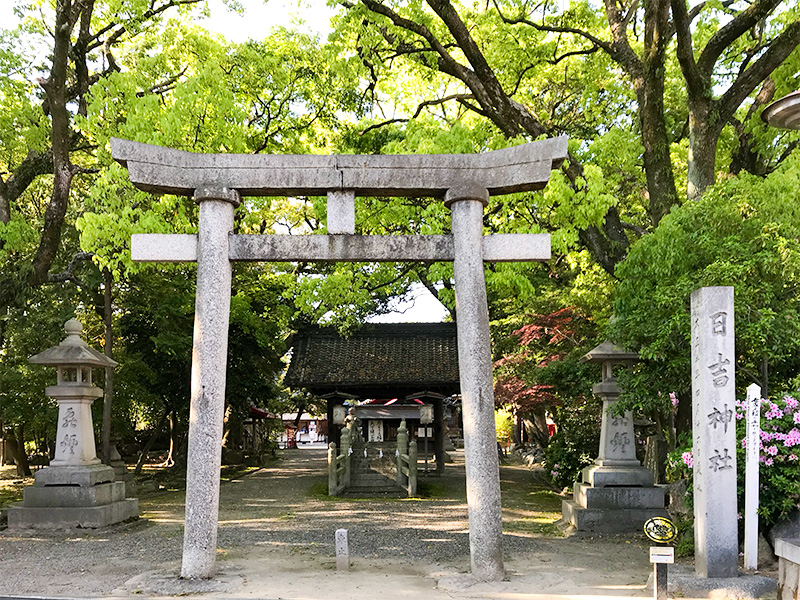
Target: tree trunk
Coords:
[[657, 162], [703, 136], [16, 447], [150, 442], [517, 434], [536, 427], [108, 341], [56, 91], [170, 460]]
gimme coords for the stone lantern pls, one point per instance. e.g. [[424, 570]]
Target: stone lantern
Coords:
[[616, 493], [76, 490]]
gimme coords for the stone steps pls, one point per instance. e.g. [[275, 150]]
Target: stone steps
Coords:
[[372, 484]]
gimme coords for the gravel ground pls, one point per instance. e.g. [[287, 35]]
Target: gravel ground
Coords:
[[279, 511]]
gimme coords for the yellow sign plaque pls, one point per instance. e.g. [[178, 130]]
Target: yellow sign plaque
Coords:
[[660, 530]]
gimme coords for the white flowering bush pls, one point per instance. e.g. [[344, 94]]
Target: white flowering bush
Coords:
[[779, 457]]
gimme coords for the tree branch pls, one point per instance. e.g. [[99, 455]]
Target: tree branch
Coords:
[[694, 79], [68, 274], [558, 59], [729, 33], [454, 67], [35, 164], [117, 31], [554, 29], [641, 231], [780, 48]]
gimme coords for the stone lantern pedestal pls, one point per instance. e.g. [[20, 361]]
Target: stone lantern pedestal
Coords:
[[616, 494], [76, 490]]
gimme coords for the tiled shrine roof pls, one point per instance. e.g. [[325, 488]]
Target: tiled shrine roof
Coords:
[[378, 360]]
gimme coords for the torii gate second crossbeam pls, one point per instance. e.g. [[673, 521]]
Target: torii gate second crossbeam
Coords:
[[217, 182]]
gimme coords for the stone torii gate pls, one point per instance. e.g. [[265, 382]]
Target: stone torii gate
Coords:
[[218, 181]]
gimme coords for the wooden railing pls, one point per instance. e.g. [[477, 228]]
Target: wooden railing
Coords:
[[406, 460]]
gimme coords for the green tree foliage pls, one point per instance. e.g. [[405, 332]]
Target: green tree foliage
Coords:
[[743, 233], [627, 82]]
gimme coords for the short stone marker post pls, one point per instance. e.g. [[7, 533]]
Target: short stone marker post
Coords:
[[752, 451], [342, 550], [333, 465], [714, 432]]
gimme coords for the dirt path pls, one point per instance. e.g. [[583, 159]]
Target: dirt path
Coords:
[[276, 541]]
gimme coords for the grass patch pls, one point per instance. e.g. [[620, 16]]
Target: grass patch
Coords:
[[11, 490], [543, 524], [433, 490]]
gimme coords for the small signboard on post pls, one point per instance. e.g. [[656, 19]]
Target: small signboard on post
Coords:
[[662, 555], [661, 531], [752, 451]]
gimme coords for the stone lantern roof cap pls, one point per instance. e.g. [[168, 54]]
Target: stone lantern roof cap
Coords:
[[784, 113], [609, 352], [72, 351]]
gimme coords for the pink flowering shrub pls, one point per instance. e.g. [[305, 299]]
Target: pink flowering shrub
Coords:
[[779, 467]]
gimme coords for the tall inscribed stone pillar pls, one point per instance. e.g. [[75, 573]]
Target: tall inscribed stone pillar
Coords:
[[714, 433]]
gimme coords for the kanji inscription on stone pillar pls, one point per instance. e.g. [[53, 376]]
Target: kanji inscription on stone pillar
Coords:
[[714, 432]]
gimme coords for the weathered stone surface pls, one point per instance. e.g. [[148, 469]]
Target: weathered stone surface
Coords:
[[342, 550], [70, 517], [788, 552], [617, 440], [341, 212], [788, 581], [789, 528], [74, 475], [73, 351], [714, 432], [676, 495], [602, 476], [207, 407], [655, 457], [788, 549], [506, 247], [607, 520], [121, 472], [682, 583], [73, 495], [164, 170], [475, 369], [75, 437], [618, 497]]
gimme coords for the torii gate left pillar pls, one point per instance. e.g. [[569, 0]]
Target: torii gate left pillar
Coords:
[[218, 181]]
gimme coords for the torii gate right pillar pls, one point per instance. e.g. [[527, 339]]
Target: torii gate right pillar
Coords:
[[466, 204]]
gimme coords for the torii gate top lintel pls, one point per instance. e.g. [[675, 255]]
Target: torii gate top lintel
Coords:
[[157, 169]]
